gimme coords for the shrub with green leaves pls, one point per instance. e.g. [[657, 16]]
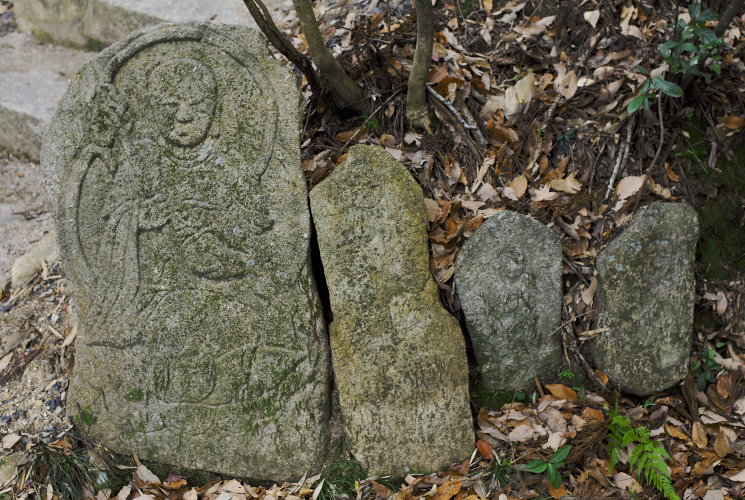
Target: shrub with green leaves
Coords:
[[695, 45], [648, 457], [551, 466], [694, 51]]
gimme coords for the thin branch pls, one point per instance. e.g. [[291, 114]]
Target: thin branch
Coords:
[[416, 97], [348, 93], [657, 154], [264, 21], [621, 159], [733, 9]]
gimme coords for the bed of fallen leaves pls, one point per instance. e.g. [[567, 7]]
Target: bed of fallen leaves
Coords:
[[531, 98]]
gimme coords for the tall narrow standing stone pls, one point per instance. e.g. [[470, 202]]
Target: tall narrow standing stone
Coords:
[[508, 276], [174, 170], [645, 299], [399, 357]]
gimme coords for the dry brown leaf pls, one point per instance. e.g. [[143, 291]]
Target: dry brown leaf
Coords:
[[146, 475], [447, 490], [434, 212], [568, 85], [519, 185], [676, 432], [705, 467], [485, 448], [699, 435], [5, 361], [535, 26], [734, 122], [488, 5], [592, 17], [559, 492], [588, 294], [525, 88], [593, 414], [722, 444], [562, 391], [629, 186], [10, 440], [355, 133], [602, 375], [670, 174], [568, 185], [543, 193]]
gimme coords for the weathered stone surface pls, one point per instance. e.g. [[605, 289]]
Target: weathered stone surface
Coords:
[[508, 278], [398, 356], [93, 23], [645, 297], [33, 78], [174, 172]]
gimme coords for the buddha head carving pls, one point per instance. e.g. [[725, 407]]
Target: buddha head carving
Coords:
[[183, 96]]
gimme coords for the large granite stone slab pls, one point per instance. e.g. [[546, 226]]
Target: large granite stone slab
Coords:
[[96, 23], [173, 168], [645, 298], [399, 358], [508, 278]]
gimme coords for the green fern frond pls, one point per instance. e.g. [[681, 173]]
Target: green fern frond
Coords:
[[648, 457]]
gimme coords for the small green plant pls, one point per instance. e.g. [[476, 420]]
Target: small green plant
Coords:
[[648, 457], [338, 479], [706, 368], [651, 88], [69, 472], [695, 46], [551, 466]]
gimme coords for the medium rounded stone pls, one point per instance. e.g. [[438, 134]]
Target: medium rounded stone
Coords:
[[645, 298], [508, 278], [399, 357]]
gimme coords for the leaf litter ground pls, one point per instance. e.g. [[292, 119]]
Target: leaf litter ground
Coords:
[[531, 99]]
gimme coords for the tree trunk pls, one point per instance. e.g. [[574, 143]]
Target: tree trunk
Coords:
[[416, 97], [349, 94]]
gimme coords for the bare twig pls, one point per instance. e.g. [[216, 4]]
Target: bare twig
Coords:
[[570, 346], [263, 19], [416, 97], [657, 154], [621, 159]]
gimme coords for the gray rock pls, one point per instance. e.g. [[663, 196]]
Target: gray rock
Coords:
[[33, 78], [508, 278], [399, 358], [95, 23], [173, 168], [645, 297], [27, 265]]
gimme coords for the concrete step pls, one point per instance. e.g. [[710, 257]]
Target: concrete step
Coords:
[[33, 77], [97, 23]]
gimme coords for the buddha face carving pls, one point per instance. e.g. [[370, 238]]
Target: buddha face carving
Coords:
[[183, 94]]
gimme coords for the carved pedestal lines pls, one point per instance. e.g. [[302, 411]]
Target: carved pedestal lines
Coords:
[[174, 170]]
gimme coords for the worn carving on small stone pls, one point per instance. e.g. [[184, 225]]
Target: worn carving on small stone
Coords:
[[509, 284], [183, 224]]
